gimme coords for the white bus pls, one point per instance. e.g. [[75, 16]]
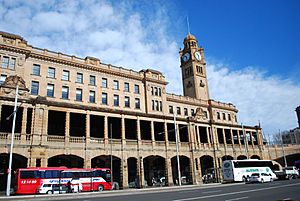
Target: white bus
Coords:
[[241, 170]]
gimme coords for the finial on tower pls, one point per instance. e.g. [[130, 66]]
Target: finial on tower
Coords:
[[188, 24]]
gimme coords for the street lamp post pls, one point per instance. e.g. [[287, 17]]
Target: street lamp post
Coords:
[[285, 163], [245, 141], [177, 151], [111, 158], [12, 144]]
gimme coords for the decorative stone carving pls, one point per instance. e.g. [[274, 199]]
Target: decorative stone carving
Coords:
[[9, 86], [21, 61], [199, 115]]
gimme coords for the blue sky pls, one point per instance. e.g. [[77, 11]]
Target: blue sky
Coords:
[[251, 47]]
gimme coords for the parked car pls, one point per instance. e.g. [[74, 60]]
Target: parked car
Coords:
[[260, 177], [52, 189]]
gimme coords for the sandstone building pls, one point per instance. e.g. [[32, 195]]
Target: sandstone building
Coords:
[[80, 112]]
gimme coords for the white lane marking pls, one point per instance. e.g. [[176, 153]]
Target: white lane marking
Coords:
[[212, 191], [240, 192], [241, 198]]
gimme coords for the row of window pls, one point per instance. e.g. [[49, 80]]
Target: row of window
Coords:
[[92, 95], [8, 62], [155, 91], [223, 116], [36, 70], [185, 111], [156, 105]]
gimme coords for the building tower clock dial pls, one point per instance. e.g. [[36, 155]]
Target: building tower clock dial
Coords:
[[198, 56], [186, 57]]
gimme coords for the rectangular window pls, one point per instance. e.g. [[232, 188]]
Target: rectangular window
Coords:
[[34, 88], [92, 97], [116, 100], [229, 117], [137, 103], [205, 114], [79, 78], [104, 82], [170, 109], [65, 93], [136, 89], [186, 113], [51, 72], [160, 105], [50, 90], [178, 110], [5, 62], [218, 115], [116, 85], [153, 106], [79, 94], [104, 98], [224, 116], [156, 106], [92, 80], [2, 78], [65, 75], [36, 70], [192, 112], [12, 63], [126, 86], [127, 101]]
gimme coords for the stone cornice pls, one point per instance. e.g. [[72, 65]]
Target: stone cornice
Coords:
[[186, 102], [14, 49]]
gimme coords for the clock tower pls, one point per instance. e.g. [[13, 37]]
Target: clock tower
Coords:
[[193, 69]]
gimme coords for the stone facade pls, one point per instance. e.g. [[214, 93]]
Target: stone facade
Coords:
[[81, 111]]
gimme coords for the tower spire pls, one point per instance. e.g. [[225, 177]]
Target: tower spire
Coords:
[[188, 24]]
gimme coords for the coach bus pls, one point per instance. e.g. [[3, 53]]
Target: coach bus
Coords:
[[30, 180], [241, 170]]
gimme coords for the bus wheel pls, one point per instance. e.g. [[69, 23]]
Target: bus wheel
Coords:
[[49, 192], [100, 188]]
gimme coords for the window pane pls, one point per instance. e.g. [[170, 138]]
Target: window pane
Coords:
[[50, 90], [79, 78], [51, 72], [5, 62], [116, 85], [92, 80], [36, 69], [2, 79], [136, 89], [137, 103], [127, 101], [65, 75], [65, 92], [126, 87], [171, 109], [116, 100], [79, 94], [92, 97], [104, 82], [34, 88], [12, 63], [104, 98]]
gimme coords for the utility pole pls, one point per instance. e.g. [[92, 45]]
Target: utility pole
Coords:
[[285, 163], [177, 152]]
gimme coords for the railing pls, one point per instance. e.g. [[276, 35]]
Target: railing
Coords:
[[55, 138], [3, 136], [96, 140], [77, 139]]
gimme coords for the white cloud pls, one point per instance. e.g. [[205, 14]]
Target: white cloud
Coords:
[[140, 38], [270, 100]]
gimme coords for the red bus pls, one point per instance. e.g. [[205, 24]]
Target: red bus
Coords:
[[32, 180]]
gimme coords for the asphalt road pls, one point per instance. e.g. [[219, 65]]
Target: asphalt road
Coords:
[[278, 190]]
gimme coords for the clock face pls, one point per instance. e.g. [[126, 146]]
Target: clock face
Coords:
[[198, 56], [186, 57]]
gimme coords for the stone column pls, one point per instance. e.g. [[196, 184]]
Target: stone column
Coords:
[[239, 138], [44, 130], [224, 138], [198, 136], [67, 129], [24, 121], [87, 160], [142, 176], [166, 134], [123, 135], [199, 170], [208, 137], [169, 175], [152, 134], [124, 173], [44, 162], [105, 130]]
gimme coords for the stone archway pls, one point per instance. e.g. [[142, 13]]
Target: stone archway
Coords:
[[227, 157], [186, 175], [104, 161], [18, 161], [255, 157], [154, 168], [133, 180], [70, 161], [207, 164], [241, 157]]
